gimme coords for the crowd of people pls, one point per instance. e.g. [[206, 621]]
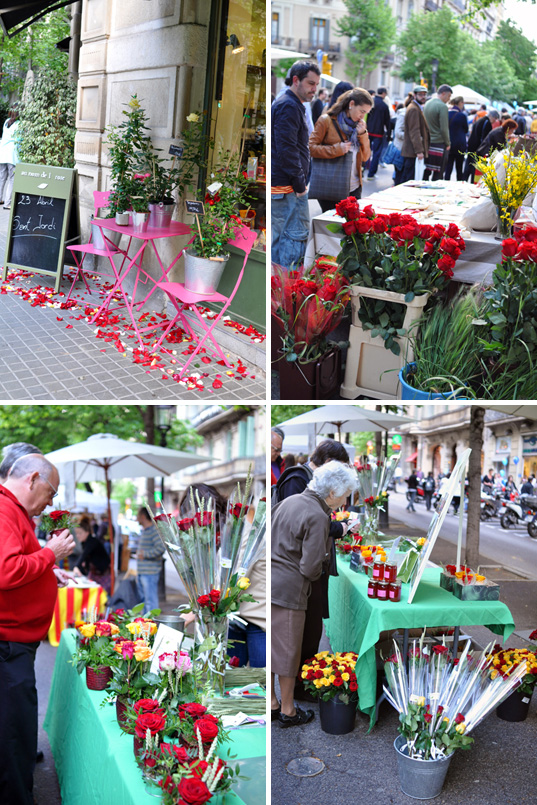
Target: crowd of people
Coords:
[[322, 144]]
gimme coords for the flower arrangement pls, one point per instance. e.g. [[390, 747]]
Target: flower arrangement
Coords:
[[440, 703], [56, 521], [505, 661], [520, 170], [196, 724], [130, 663], [373, 479], [176, 675], [328, 675], [95, 646], [308, 304], [394, 253]]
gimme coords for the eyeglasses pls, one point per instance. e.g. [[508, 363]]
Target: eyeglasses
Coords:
[[276, 449], [52, 487]]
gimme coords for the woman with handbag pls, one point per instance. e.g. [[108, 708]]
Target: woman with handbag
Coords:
[[339, 144]]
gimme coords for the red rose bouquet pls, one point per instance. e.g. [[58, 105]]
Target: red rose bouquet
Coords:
[[394, 253], [328, 675], [56, 521], [308, 304]]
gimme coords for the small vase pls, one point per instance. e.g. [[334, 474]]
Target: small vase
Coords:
[[212, 661], [515, 707], [337, 717], [370, 527], [122, 218], [160, 215], [202, 275], [98, 678], [505, 223]]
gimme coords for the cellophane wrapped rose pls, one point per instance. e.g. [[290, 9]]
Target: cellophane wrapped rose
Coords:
[[308, 304]]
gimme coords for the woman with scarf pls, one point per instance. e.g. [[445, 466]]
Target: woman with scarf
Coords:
[[340, 130]]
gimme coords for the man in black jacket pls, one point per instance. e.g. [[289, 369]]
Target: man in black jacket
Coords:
[[378, 128], [480, 129], [290, 165]]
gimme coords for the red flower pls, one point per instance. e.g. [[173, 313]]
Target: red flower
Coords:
[[237, 509], [207, 729], [459, 718], [428, 717], [533, 635], [146, 706], [192, 791], [195, 709], [526, 251], [214, 595], [186, 523], [173, 749], [363, 226], [57, 515], [368, 211], [204, 520], [155, 722], [353, 684], [409, 231], [167, 784], [395, 218], [445, 264], [103, 629], [379, 225], [205, 601], [350, 227], [426, 231], [234, 662], [453, 231], [440, 649], [338, 682]]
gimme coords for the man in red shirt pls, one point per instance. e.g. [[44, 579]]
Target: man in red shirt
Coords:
[[28, 588]]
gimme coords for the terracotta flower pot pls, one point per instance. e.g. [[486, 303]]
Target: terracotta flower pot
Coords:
[[98, 678]]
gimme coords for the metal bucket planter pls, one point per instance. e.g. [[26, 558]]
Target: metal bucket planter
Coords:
[[97, 238], [160, 215], [139, 221], [201, 274], [337, 718], [420, 779], [122, 218], [515, 707]]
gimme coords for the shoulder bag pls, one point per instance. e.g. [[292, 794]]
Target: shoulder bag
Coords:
[[331, 178]]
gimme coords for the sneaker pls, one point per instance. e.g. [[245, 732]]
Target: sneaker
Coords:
[[370, 178], [7, 207], [382, 165], [300, 717]]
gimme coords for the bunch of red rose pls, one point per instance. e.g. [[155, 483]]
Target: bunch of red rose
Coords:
[[522, 246], [185, 778], [309, 303], [400, 237], [149, 716], [238, 510], [210, 601], [194, 720]]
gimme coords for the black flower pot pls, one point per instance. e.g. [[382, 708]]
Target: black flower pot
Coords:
[[515, 707], [318, 380], [337, 718]]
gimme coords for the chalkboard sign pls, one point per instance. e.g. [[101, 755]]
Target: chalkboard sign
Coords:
[[195, 207], [355, 562], [44, 217], [176, 150]]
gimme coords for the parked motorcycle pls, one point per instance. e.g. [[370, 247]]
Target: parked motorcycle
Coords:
[[532, 527], [492, 505], [521, 510]]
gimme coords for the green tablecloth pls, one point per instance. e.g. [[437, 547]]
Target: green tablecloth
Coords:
[[356, 621], [95, 760]]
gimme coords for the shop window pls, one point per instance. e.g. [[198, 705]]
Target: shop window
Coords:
[[275, 28], [239, 106]]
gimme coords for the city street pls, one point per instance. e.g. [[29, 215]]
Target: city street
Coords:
[[513, 549]]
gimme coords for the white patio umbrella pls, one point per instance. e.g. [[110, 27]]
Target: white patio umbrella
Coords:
[[528, 411], [343, 419], [104, 456]]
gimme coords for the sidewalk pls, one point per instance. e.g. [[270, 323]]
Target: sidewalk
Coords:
[[49, 353], [499, 768]]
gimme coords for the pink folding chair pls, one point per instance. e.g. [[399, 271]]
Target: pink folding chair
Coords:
[[184, 300], [100, 200]]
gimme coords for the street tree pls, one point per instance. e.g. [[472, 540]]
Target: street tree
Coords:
[[436, 36], [370, 25], [520, 53], [475, 443], [492, 75]]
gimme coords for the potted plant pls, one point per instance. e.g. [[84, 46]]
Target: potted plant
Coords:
[[95, 650], [504, 661], [445, 344], [332, 678], [393, 264], [308, 304], [56, 521], [227, 192]]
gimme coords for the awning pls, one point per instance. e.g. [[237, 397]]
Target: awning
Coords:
[[19, 14], [413, 457]]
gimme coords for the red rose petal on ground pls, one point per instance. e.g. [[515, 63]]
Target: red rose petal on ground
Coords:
[[217, 384]]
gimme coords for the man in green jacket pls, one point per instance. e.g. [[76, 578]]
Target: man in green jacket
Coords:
[[437, 117]]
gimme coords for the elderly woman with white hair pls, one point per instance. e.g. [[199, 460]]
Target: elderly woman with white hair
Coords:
[[300, 549]]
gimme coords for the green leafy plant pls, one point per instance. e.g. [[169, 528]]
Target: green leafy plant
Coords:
[[47, 122], [124, 143]]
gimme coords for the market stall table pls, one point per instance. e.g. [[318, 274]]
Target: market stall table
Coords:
[[356, 621], [482, 252], [175, 229], [71, 602], [95, 760]]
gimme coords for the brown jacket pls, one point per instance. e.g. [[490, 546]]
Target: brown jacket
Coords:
[[300, 532], [417, 136], [326, 143]]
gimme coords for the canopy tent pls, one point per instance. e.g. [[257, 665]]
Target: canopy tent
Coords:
[[280, 53], [19, 14], [469, 95], [104, 457], [528, 411]]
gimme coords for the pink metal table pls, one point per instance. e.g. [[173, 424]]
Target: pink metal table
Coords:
[[127, 263]]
